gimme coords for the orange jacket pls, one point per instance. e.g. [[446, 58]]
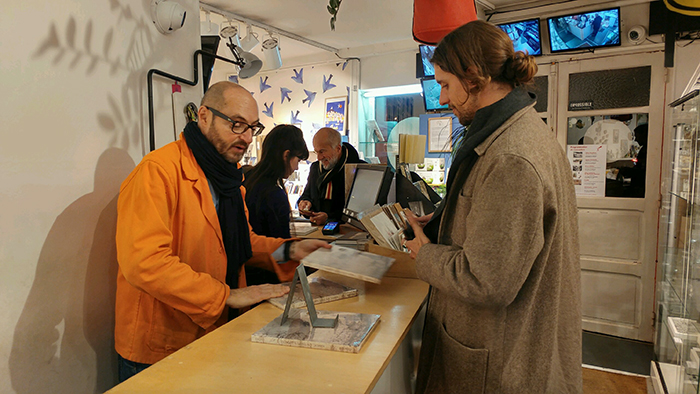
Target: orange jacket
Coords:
[[171, 285]]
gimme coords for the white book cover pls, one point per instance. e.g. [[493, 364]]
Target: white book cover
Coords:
[[350, 262]]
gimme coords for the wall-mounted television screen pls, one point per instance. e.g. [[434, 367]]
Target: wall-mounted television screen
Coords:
[[525, 35], [426, 53], [431, 94], [584, 31]]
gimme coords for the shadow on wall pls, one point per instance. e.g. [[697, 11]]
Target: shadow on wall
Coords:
[[75, 48], [64, 339]]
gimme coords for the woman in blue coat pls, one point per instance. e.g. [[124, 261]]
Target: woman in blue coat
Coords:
[[266, 196]]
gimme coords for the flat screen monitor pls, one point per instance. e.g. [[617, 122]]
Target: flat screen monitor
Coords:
[[431, 94], [426, 53], [210, 44], [525, 35], [584, 31], [369, 187]]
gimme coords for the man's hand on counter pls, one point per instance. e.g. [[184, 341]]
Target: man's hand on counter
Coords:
[[300, 249], [250, 295]]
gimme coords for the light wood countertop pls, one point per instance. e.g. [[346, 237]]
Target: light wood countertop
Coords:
[[227, 361]]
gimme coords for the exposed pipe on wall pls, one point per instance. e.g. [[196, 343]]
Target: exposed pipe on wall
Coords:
[[194, 82]]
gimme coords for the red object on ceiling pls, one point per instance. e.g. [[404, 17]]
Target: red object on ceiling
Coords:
[[433, 19]]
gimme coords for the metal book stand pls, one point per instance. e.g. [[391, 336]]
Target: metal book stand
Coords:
[[300, 276]]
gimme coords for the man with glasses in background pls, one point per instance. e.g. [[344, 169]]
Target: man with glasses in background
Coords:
[[183, 235]]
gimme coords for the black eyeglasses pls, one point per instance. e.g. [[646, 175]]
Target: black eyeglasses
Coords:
[[239, 127]]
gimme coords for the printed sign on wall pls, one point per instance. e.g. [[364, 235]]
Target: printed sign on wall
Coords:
[[588, 169]]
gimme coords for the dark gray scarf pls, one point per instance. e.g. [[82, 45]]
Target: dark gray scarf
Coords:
[[486, 121]]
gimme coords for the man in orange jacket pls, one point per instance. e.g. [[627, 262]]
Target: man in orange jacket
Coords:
[[183, 235]]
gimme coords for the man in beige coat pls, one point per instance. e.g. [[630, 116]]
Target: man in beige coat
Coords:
[[501, 253]]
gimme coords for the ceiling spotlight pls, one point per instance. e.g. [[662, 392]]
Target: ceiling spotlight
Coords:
[[230, 31], [207, 27], [250, 41], [271, 50], [248, 64], [168, 16]]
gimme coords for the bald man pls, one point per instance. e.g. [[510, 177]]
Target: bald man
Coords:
[[183, 235], [324, 196]]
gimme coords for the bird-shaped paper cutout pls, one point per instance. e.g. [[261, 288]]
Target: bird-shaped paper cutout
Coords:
[[345, 65], [285, 94], [310, 96], [268, 110], [263, 85], [327, 85], [298, 76], [295, 119]]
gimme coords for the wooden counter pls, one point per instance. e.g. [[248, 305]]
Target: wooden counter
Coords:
[[227, 361]]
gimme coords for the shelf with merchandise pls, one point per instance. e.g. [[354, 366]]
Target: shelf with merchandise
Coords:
[[677, 346]]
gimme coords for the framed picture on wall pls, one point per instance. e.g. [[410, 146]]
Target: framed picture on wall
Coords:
[[440, 134], [335, 113]]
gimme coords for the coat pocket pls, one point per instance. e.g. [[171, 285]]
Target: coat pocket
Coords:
[[170, 329], [457, 368]]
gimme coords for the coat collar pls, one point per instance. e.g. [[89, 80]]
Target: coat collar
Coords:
[[193, 172], [484, 146]]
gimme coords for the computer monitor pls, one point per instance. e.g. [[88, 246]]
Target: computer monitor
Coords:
[[585, 30], [370, 187], [431, 94], [426, 53], [525, 35]]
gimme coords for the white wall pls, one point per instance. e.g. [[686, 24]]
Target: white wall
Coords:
[[73, 77]]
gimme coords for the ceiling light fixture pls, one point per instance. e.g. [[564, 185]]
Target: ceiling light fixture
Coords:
[[250, 41], [393, 91], [230, 31], [271, 50], [207, 27]]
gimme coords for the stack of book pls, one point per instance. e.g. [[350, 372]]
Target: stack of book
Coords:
[[386, 224], [299, 229]]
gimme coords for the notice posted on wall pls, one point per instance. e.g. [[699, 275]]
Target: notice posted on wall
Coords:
[[588, 168]]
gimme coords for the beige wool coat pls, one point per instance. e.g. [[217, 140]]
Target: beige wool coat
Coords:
[[504, 311]]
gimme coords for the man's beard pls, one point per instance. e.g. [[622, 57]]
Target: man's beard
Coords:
[[224, 147], [331, 163], [466, 113]]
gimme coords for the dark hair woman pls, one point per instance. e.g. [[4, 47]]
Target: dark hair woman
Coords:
[[266, 198]]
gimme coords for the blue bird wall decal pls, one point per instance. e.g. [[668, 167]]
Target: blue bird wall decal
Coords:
[[285, 94], [327, 85], [295, 119], [268, 110], [298, 76], [310, 96], [263, 85]]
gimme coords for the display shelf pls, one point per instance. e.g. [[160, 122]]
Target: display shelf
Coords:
[[677, 347]]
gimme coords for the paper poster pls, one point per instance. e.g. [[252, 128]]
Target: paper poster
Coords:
[[440, 134], [588, 169], [336, 111]]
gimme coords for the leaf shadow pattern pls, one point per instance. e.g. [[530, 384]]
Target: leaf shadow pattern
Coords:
[[63, 341], [122, 118]]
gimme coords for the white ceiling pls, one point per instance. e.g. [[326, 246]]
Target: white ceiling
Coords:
[[363, 26]]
